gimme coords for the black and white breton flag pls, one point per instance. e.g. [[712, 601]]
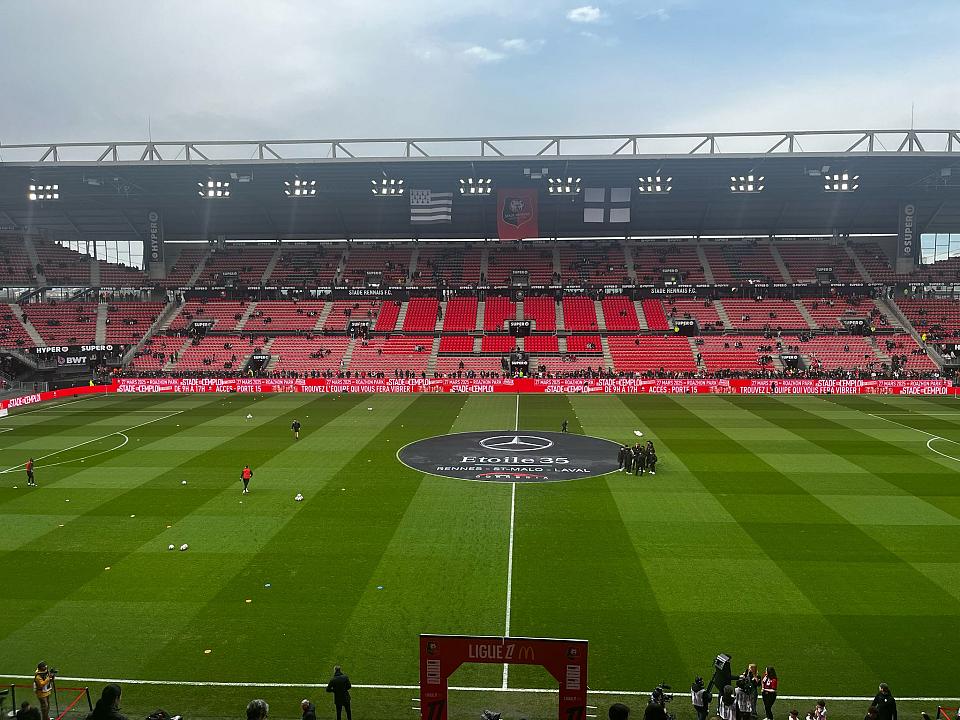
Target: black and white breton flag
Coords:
[[427, 206], [606, 205]]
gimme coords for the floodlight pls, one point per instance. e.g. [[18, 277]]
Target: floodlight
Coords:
[[655, 184], [37, 192], [300, 188], [214, 189], [386, 187], [841, 182], [746, 183], [476, 186], [563, 186]]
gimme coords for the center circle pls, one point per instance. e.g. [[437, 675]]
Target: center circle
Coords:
[[499, 456]]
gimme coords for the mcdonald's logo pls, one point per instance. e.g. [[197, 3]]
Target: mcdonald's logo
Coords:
[[527, 654]]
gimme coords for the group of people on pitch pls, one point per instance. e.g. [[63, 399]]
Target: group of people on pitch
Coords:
[[638, 459]]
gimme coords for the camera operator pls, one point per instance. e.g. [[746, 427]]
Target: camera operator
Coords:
[[43, 686], [657, 707]]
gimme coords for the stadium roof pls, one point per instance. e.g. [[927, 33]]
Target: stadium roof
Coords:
[[105, 190]]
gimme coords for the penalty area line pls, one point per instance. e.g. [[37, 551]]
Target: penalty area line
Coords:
[[930, 435], [553, 691], [87, 442]]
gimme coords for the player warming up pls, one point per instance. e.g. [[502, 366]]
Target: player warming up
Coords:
[[295, 426], [30, 481], [563, 426], [246, 475]]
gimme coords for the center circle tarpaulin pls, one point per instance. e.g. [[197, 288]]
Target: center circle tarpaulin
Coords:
[[512, 456]]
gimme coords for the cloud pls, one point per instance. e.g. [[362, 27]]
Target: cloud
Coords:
[[585, 14], [521, 45], [481, 54], [661, 14]]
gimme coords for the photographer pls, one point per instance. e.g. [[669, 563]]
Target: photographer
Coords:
[[43, 680], [657, 707]]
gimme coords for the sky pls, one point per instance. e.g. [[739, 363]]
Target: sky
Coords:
[[99, 70]]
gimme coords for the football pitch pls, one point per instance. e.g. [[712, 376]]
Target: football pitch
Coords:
[[820, 535]]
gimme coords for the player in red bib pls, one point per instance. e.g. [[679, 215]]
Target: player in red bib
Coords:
[[30, 480], [246, 476]]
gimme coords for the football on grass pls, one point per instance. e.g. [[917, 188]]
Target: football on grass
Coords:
[[184, 547]]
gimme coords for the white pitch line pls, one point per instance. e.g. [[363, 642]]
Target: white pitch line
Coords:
[[87, 442], [552, 691], [55, 407], [923, 432], [506, 623]]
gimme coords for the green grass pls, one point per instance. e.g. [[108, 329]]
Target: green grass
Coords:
[[795, 531]]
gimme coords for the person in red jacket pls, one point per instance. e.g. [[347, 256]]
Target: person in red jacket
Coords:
[[768, 686], [29, 467], [246, 475]]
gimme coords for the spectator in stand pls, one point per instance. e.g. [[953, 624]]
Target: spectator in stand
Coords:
[[885, 704], [108, 706], [768, 686], [257, 710]]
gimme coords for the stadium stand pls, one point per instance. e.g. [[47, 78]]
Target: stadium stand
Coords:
[[593, 264], [649, 262], [719, 354], [656, 318], [737, 262], [155, 353], [457, 344], [62, 266], [541, 344], [306, 266], [447, 266], [579, 314], [502, 262], [184, 266], [15, 267], [283, 315], [651, 354], [394, 354], [619, 314], [827, 313], [497, 310], [421, 315], [128, 322], [542, 310], [225, 314], [216, 353], [760, 315], [314, 354], [460, 315], [236, 265], [377, 265], [499, 344], [66, 323], [703, 311], [939, 319], [342, 312], [804, 258]]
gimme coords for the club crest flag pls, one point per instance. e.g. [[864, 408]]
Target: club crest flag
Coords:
[[517, 214]]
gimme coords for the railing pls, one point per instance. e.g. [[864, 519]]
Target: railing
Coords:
[[829, 142]]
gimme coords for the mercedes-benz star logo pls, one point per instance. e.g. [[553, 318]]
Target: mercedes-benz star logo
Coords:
[[516, 443]]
